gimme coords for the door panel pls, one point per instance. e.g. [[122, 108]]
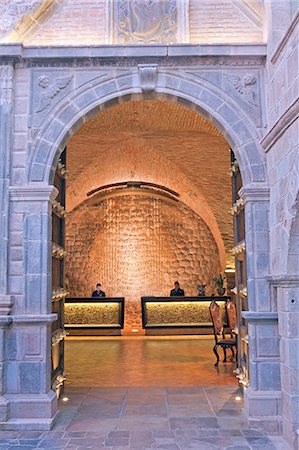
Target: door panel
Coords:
[[58, 292]]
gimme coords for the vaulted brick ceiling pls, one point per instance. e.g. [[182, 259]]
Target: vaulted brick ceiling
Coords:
[[156, 141]]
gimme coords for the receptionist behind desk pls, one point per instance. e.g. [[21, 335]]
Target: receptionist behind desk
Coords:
[[177, 291], [98, 292]]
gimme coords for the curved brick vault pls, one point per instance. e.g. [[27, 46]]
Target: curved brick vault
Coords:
[[159, 142]]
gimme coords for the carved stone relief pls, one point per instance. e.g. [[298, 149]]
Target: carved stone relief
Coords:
[[245, 86], [145, 21], [12, 12], [48, 89]]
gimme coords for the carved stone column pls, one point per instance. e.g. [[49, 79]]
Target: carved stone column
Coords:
[[262, 407]]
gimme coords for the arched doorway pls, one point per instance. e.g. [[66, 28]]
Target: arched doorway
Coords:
[[52, 137]]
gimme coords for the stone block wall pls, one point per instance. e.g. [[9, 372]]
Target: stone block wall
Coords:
[[135, 246]]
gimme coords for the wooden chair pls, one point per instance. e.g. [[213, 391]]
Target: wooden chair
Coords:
[[232, 320], [219, 333]]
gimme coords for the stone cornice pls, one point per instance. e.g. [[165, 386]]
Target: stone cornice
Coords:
[[281, 126], [281, 46], [259, 315], [33, 193], [255, 193], [130, 55]]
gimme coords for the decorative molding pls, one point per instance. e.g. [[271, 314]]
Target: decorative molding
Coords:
[[284, 280], [58, 252], [59, 294], [6, 304], [281, 126], [58, 209], [256, 316], [33, 318], [255, 193], [279, 49], [237, 207], [58, 336], [148, 75], [235, 55], [33, 193], [240, 248]]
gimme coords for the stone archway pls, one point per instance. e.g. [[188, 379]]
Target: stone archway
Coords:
[[57, 128], [51, 130]]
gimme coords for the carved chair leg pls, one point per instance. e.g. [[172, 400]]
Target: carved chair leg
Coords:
[[216, 353], [224, 352], [233, 353]]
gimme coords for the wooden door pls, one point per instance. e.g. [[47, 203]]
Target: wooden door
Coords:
[[240, 272], [58, 292]]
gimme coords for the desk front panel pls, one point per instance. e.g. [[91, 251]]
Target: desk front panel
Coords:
[[106, 313], [171, 312]]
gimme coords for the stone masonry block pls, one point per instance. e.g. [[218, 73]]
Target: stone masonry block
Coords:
[[269, 376], [263, 407], [33, 257], [288, 324], [107, 89], [30, 377], [290, 407], [33, 227]]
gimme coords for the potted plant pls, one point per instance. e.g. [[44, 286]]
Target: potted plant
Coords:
[[218, 282]]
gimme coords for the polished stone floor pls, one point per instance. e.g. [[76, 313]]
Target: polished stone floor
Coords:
[[181, 402]]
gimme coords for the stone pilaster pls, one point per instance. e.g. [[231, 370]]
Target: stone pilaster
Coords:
[[5, 321], [32, 403], [6, 129], [262, 406], [286, 290]]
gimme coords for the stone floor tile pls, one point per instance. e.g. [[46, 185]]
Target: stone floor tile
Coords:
[[74, 434], [129, 423], [145, 410], [253, 432], [114, 442], [119, 434], [192, 410], [193, 422], [230, 423], [93, 424], [258, 441], [53, 443], [185, 390], [87, 442], [173, 399]]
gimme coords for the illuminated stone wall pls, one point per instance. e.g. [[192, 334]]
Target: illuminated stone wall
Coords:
[[136, 245]]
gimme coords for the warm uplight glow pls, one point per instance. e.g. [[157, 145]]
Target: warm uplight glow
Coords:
[[134, 330], [65, 399], [238, 398]]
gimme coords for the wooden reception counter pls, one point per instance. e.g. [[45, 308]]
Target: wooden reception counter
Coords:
[[178, 315], [94, 316]]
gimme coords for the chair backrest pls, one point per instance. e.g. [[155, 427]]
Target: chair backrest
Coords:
[[216, 316], [231, 315]]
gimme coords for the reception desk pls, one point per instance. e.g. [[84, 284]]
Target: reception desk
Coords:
[[94, 316], [178, 315]]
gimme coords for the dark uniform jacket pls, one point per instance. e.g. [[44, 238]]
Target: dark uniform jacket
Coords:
[[98, 294], [180, 292]]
